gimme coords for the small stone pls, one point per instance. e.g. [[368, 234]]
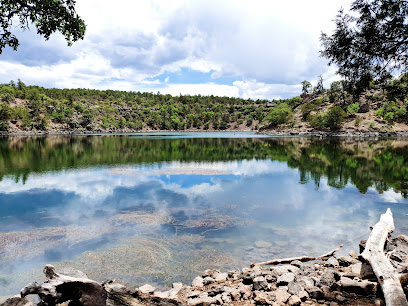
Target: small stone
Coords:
[[270, 278], [208, 280], [198, 282], [262, 244], [147, 289], [356, 268], [202, 301], [282, 296], [303, 295], [347, 261], [226, 298], [177, 285], [162, 295], [259, 283], [297, 263], [221, 277], [327, 278], [307, 282], [215, 290], [210, 273], [332, 262], [315, 293], [235, 294], [294, 288], [333, 304], [294, 300], [263, 298], [245, 291], [359, 287], [285, 279], [340, 298]]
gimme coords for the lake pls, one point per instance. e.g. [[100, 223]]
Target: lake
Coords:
[[162, 207]]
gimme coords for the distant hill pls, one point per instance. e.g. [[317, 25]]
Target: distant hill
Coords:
[[32, 108]]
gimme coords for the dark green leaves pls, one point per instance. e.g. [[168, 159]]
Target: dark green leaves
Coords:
[[48, 16], [370, 43]]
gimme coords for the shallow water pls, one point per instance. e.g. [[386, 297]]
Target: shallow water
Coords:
[[161, 208]]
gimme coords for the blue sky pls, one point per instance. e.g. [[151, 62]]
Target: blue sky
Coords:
[[250, 49]]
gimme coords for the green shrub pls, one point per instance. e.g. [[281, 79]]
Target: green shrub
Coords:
[[4, 126], [331, 119], [334, 117], [321, 100], [307, 108], [392, 111], [353, 108], [280, 114]]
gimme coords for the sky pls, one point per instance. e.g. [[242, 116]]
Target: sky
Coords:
[[250, 49]]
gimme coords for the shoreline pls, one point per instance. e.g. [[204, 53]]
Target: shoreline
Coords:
[[320, 134]]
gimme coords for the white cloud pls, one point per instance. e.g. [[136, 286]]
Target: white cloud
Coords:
[[129, 43]]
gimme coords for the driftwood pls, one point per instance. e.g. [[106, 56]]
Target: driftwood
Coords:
[[374, 254], [301, 258], [62, 288]]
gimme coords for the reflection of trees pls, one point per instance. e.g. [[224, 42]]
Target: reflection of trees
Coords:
[[381, 164]]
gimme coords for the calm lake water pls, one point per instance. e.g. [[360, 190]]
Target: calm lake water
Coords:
[[163, 207]]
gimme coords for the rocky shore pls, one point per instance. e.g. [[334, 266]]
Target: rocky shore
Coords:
[[333, 281], [321, 134]]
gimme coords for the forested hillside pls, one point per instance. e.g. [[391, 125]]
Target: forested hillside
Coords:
[[380, 108], [33, 108]]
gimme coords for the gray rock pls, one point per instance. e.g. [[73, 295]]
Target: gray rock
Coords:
[[340, 298], [332, 262], [216, 290], [280, 270], [297, 263], [303, 295], [294, 300], [245, 291], [315, 293], [285, 279], [221, 277], [294, 288], [282, 296], [259, 283], [263, 298], [364, 108], [198, 282], [210, 273], [147, 289], [226, 298], [327, 278], [17, 301], [306, 282], [208, 280], [270, 278], [235, 294], [202, 301], [347, 261], [364, 287]]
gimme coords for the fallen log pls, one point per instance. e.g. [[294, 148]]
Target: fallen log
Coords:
[[61, 288], [374, 254], [301, 258]]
